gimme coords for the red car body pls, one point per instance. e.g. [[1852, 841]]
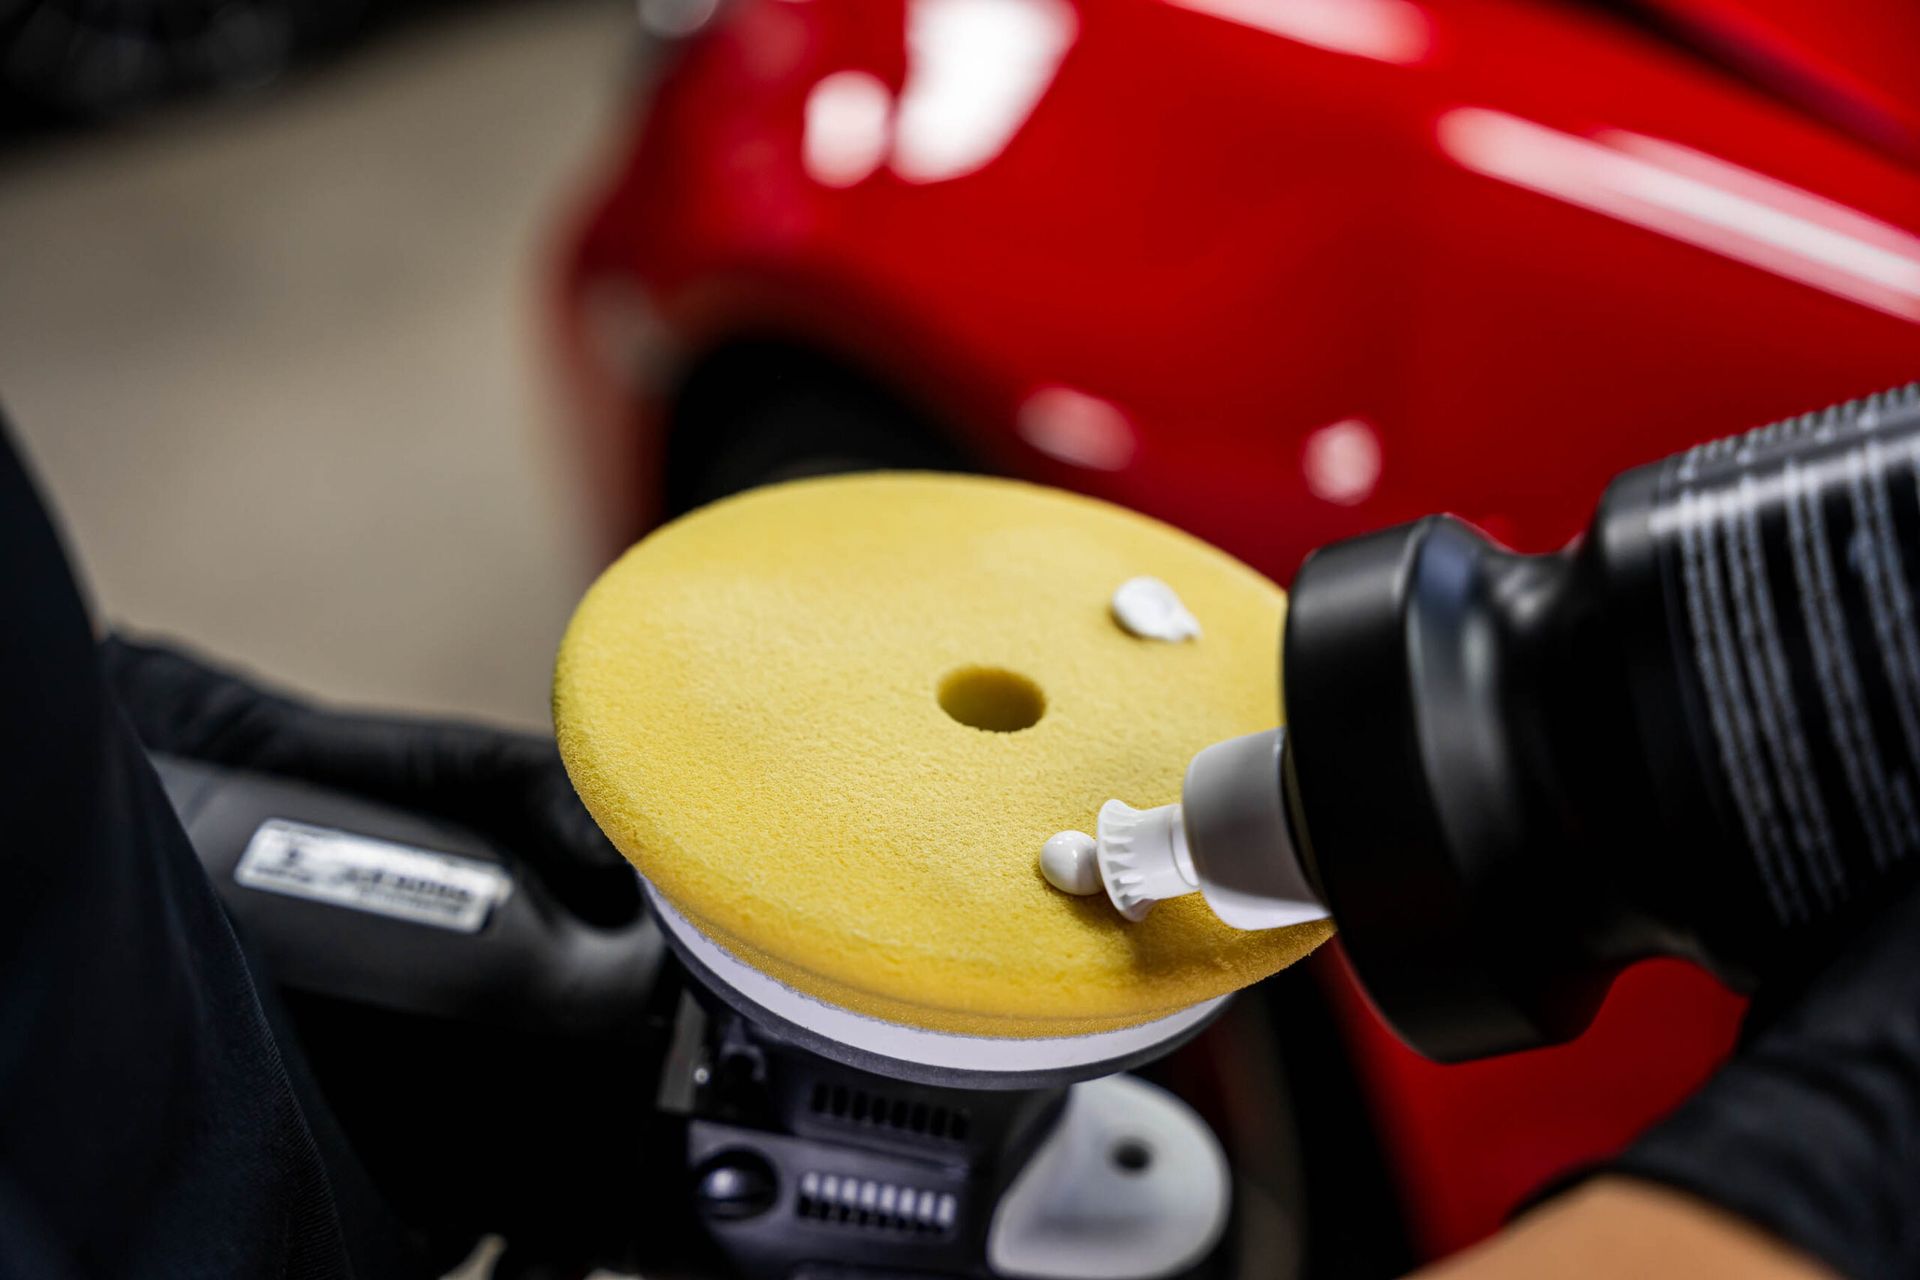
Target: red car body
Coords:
[[1280, 271]]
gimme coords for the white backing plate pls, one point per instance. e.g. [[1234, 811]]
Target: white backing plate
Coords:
[[993, 1055]]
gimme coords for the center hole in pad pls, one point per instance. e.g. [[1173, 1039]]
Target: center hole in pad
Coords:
[[992, 698]]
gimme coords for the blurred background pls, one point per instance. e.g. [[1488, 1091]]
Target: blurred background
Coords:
[[351, 339], [272, 349]]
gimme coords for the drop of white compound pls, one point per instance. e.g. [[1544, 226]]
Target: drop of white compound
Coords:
[[1070, 863], [1150, 609]]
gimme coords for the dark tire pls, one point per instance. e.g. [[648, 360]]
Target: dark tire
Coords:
[[77, 61], [745, 426]]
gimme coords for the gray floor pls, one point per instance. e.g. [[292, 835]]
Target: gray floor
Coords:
[[277, 358]]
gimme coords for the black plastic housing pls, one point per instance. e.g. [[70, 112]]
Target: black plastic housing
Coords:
[[1694, 732]]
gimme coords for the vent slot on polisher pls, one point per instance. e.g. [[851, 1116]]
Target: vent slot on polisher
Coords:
[[860, 1107], [881, 1206]]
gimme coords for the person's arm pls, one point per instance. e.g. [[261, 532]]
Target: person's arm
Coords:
[[150, 1124], [1613, 1227]]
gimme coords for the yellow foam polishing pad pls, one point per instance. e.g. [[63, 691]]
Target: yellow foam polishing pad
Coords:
[[833, 721]]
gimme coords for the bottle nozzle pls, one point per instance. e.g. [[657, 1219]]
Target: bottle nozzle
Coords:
[[1139, 857], [1227, 839], [1143, 856]]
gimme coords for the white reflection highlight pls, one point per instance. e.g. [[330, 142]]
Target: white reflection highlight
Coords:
[[1393, 31], [1341, 462], [976, 69], [1076, 428], [844, 137], [1700, 199]]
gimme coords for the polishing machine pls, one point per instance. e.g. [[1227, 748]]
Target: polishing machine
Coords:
[[1695, 732], [660, 1117]]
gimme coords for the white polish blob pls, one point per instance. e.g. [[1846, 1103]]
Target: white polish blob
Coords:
[[1070, 864], [1150, 609]]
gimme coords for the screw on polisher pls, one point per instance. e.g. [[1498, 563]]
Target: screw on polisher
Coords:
[[1227, 839]]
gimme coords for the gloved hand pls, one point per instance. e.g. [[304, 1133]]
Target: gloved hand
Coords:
[[508, 787], [553, 1166], [1812, 1131]]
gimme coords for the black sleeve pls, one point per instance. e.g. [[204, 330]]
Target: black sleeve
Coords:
[[149, 1124]]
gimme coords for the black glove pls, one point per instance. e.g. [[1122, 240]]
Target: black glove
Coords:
[[508, 787], [1812, 1131]]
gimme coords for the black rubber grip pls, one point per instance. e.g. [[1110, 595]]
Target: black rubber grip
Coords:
[[1791, 562]]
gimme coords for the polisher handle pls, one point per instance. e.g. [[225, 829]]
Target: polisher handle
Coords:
[[362, 902], [493, 1061]]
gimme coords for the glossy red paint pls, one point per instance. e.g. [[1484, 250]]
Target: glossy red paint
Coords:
[[1855, 70], [1471, 1142], [1280, 271]]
